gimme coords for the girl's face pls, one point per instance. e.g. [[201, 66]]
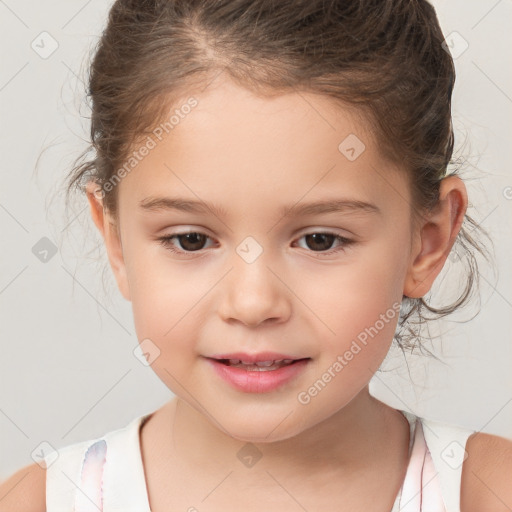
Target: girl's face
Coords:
[[254, 279]]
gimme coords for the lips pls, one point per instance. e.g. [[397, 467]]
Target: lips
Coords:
[[261, 366], [260, 357], [260, 376]]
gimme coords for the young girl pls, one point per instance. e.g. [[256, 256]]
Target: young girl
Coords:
[[270, 181]]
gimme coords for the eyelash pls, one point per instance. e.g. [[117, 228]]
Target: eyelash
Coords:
[[165, 241]]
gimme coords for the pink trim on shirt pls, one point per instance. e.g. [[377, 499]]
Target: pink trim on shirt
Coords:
[[89, 496], [421, 475]]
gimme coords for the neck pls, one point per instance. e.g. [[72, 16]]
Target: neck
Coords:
[[353, 437]]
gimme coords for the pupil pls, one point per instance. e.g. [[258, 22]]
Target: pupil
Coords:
[[320, 237], [191, 237]]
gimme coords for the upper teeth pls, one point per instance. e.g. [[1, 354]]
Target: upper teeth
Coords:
[[260, 363]]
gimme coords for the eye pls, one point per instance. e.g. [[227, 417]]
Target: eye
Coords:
[[324, 240], [193, 241]]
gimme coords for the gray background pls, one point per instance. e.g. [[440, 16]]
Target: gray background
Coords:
[[67, 368]]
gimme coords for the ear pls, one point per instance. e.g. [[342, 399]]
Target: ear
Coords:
[[436, 236], [111, 236]]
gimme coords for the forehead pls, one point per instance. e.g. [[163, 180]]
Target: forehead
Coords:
[[241, 151]]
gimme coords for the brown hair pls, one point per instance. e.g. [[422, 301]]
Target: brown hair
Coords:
[[383, 57]]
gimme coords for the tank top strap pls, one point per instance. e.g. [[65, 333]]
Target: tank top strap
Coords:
[[100, 475], [421, 489], [89, 495], [64, 475], [447, 447], [124, 482], [433, 477]]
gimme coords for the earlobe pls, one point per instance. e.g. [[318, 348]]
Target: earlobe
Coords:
[[111, 237], [436, 237]]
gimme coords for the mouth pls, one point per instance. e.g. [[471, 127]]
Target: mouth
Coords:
[[259, 366], [262, 373]]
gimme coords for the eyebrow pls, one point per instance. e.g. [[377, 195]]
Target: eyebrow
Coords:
[[299, 209]]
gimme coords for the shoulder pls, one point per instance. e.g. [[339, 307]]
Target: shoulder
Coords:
[[24, 491], [487, 474]]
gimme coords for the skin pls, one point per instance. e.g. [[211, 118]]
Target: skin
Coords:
[[252, 156]]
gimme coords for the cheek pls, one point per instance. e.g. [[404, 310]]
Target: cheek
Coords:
[[166, 315], [356, 309], [168, 308], [355, 337], [346, 299]]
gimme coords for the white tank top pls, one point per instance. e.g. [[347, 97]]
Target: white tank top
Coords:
[[107, 475]]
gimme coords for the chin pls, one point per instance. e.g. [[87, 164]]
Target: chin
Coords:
[[268, 428]]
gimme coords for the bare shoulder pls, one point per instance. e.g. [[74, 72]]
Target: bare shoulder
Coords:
[[487, 474], [24, 491]]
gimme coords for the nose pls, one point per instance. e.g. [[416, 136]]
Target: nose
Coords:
[[254, 293]]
